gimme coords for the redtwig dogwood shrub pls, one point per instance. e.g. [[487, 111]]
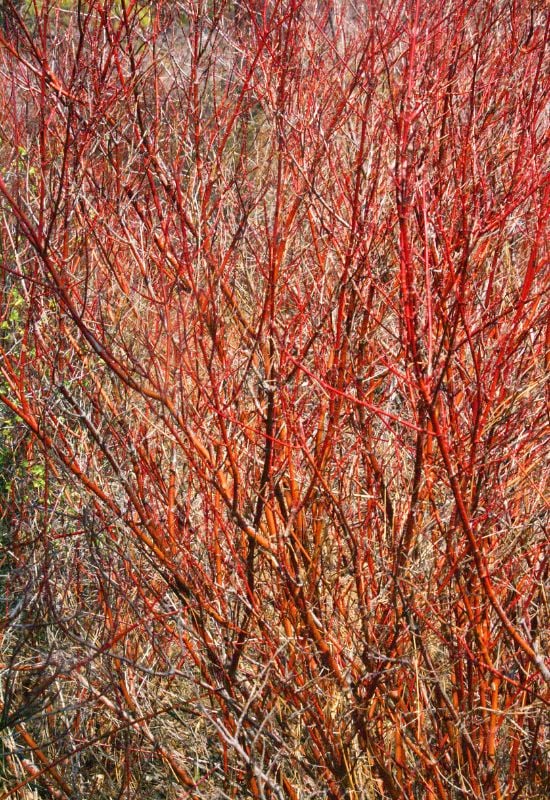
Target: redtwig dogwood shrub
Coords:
[[278, 368]]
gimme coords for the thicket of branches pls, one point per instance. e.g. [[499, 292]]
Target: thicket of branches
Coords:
[[272, 371]]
